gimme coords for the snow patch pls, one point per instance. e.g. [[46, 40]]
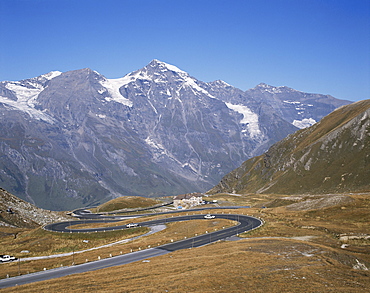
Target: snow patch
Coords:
[[113, 86], [191, 83], [153, 144], [140, 74], [26, 100], [189, 166], [222, 83], [51, 75], [249, 118], [304, 123], [291, 102], [270, 89], [23, 93]]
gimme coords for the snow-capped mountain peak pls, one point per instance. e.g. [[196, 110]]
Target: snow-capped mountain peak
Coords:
[[221, 83], [270, 89], [184, 77], [163, 66], [51, 74], [161, 73]]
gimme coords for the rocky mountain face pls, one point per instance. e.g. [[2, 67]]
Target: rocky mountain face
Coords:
[[300, 109], [15, 212], [332, 156], [77, 138]]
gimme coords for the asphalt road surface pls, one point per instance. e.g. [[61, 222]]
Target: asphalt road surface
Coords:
[[246, 223], [86, 214]]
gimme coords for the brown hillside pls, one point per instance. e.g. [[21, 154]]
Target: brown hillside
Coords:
[[127, 202], [332, 156]]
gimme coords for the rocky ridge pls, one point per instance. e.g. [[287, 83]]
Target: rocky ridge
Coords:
[[15, 212]]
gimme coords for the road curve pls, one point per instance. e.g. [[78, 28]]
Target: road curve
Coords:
[[86, 214], [245, 223]]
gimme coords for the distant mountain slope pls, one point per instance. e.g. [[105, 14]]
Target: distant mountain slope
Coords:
[[76, 138], [332, 156], [299, 108]]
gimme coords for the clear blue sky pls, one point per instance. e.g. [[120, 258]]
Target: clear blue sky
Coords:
[[318, 46]]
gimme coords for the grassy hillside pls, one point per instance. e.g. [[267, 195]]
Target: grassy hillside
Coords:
[[332, 156], [127, 202]]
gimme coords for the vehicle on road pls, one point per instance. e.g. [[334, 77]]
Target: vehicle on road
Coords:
[[209, 216], [5, 258], [131, 225]]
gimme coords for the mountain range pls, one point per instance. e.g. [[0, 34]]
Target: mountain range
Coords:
[[332, 156], [77, 138]]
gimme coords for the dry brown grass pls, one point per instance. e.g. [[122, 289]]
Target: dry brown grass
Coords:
[[269, 259], [252, 265], [126, 202], [249, 199], [68, 242], [43, 243]]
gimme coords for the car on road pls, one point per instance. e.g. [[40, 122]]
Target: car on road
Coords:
[[209, 216], [5, 258], [131, 225]]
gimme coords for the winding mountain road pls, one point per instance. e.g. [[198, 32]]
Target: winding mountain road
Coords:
[[245, 223]]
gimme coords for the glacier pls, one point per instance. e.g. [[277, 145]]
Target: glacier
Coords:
[[250, 119]]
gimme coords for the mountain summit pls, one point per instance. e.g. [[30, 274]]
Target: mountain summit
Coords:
[[77, 138]]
